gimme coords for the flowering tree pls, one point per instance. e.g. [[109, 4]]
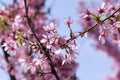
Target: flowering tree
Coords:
[[34, 50]]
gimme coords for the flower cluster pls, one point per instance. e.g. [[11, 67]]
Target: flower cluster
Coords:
[[102, 24], [106, 17], [32, 50]]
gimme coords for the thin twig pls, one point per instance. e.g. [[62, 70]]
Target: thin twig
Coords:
[[91, 28]]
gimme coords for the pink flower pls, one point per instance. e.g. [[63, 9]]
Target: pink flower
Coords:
[[68, 21], [86, 18], [102, 37], [50, 28], [45, 39], [18, 20], [10, 47], [32, 67], [25, 63], [102, 8], [70, 57], [103, 32], [86, 15]]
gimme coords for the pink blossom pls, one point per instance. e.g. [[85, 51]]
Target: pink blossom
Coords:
[[10, 48], [25, 63], [50, 28], [68, 21], [102, 38], [86, 15], [102, 8]]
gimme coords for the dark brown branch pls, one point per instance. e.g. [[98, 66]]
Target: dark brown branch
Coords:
[[43, 73], [74, 77], [15, 1], [46, 51], [6, 56]]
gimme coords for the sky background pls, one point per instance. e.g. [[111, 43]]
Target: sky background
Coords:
[[93, 64]]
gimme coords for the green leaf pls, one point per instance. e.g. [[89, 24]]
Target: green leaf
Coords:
[[1, 19], [3, 27], [19, 34], [19, 42], [97, 17]]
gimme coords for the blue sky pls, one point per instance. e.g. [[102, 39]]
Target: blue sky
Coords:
[[94, 64]]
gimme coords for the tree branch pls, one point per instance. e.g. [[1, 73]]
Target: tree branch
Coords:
[[91, 28], [6, 55], [46, 51]]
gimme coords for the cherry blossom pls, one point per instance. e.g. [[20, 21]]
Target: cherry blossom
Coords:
[[34, 49], [102, 8], [68, 21]]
